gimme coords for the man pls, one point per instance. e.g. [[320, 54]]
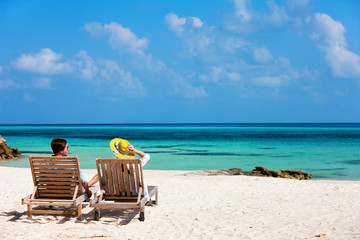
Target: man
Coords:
[[61, 149]]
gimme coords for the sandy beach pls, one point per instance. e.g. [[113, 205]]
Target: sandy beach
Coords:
[[198, 207]]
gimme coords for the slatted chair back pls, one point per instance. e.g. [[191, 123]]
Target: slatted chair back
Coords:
[[120, 178], [56, 177]]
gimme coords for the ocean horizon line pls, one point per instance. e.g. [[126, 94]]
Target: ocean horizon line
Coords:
[[156, 124]]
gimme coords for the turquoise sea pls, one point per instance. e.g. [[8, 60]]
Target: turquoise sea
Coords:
[[328, 151]]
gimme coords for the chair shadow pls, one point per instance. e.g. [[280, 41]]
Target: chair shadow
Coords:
[[14, 214], [125, 216]]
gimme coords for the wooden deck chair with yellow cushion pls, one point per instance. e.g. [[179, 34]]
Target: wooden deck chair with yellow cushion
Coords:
[[122, 186], [57, 182]]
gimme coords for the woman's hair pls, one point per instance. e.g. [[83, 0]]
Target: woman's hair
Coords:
[[58, 144]]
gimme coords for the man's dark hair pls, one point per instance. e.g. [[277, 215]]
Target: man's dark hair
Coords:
[[58, 144]]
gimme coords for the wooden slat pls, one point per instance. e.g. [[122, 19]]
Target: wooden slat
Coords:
[[55, 179], [104, 178], [56, 174], [57, 183], [121, 178], [65, 212], [116, 179], [120, 198], [141, 177], [55, 160], [56, 187], [32, 171], [110, 178], [50, 200], [61, 191], [54, 166], [55, 195], [132, 179], [55, 170], [138, 185], [104, 205], [126, 182], [60, 158]]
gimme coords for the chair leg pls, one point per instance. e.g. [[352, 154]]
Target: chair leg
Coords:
[[156, 198], [29, 212], [142, 214], [97, 214], [79, 209]]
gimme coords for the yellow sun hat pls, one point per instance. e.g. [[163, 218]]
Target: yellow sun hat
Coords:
[[119, 147]]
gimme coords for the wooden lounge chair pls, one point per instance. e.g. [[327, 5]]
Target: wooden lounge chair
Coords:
[[121, 184], [57, 182]]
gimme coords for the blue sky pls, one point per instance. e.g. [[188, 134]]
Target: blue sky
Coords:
[[229, 61]]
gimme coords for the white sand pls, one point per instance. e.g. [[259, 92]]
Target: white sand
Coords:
[[198, 207]]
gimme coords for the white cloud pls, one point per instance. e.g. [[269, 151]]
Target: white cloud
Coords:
[[122, 39], [175, 23], [262, 55], [41, 83], [271, 81], [196, 36], [87, 67], [0, 69], [343, 62], [196, 22], [233, 76], [119, 80], [242, 10], [45, 62], [244, 19], [182, 24], [154, 65], [221, 74], [232, 44], [8, 84], [188, 90], [278, 15]]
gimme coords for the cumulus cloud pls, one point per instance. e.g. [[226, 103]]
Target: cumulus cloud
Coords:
[[220, 74], [45, 62], [121, 78], [107, 75], [232, 44], [196, 36], [344, 63], [188, 90], [242, 10], [271, 81], [262, 55], [121, 38], [196, 22], [86, 65], [8, 84], [277, 16], [181, 24], [175, 23], [244, 19], [40, 83]]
